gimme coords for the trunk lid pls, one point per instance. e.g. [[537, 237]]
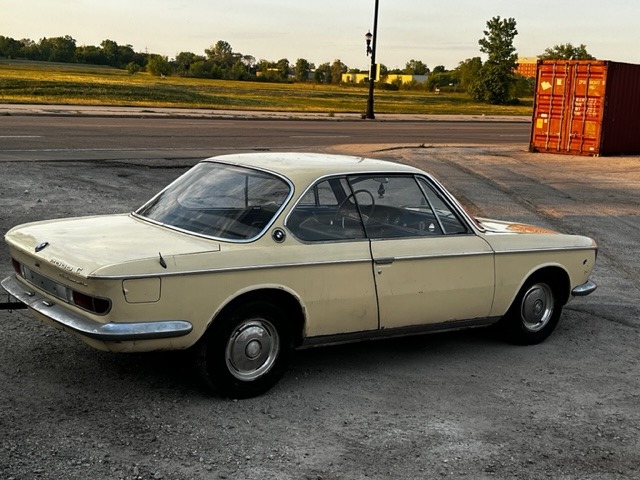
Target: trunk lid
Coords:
[[106, 243]]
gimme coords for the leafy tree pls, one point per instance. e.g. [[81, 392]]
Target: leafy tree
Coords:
[[467, 72], [221, 53], [158, 65], [238, 71], [384, 73], [337, 69], [567, 51], [302, 69], [323, 73], [57, 49], [496, 76], [184, 61], [125, 55], [91, 54], [416, 67], [9, 47], [270, 71], [29, 49], [111, 51], [133, 68], [250, 62], [217, 71], [201, 69], [523, 86], [443, 80], [283, 69], [439, 69]]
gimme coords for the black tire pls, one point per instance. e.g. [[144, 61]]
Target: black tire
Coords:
[[245, 353], [534, 314]]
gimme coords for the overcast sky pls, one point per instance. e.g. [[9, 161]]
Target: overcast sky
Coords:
[[437, 33]]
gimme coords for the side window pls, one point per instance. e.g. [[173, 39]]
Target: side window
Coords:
[[326, 212], [395, 206], [449, 221]]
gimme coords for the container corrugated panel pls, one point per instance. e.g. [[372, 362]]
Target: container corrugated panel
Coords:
[[586, 107]]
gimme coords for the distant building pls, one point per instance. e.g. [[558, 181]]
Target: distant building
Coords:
[[389, 78], [527, 66]]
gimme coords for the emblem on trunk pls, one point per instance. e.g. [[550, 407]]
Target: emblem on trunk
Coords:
[[65, 266], [41, 246]]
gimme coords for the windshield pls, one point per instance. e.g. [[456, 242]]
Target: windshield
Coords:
[[221, 201]]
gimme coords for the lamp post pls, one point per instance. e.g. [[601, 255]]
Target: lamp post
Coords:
[[371, 50]]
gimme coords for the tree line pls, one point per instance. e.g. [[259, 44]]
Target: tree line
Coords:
[[219, 61], [493, 81]]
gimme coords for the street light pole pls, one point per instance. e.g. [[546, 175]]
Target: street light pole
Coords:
[[371, 50]]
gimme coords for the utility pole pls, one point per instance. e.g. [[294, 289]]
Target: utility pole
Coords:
[[371, 50]]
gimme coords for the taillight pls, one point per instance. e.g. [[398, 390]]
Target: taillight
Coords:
[[93, 304], [17, 266]]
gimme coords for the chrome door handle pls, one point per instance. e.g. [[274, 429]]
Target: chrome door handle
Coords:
[[384, 260]]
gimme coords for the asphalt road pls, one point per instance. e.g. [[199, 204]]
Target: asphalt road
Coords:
[[103, 138]]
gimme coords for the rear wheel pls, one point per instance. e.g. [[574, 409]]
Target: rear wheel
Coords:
[[534, 314], [245, 353]]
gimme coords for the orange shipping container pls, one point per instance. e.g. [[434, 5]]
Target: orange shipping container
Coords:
[[586, 107]]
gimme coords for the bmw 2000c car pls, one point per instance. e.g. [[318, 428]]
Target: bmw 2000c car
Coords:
[[246, 257]]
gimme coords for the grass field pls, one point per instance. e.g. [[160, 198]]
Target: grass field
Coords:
[[43, 82]]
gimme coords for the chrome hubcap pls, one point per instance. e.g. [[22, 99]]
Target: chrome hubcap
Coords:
[[537, 307], [252, 349]]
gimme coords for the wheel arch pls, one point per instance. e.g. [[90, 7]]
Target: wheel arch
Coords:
[[557, 278], [284, 299]]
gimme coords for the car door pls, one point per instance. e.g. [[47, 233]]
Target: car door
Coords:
[[428, 264], [333, 261]]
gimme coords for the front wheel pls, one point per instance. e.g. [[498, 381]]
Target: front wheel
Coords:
[[245, 353], [534, 313]]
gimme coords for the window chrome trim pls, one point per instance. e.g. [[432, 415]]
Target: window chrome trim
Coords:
[[473, 226], [452, 202]]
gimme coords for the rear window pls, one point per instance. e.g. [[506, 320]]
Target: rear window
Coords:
[[221, 201]]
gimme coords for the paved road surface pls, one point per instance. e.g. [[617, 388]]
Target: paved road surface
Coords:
[[103, 138]]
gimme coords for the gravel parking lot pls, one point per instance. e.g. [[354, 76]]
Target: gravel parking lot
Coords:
[[456, 405]]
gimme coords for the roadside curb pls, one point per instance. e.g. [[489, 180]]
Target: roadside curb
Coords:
[[209, 114]]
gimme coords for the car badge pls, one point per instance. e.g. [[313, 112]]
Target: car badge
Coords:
[[279, 235], [41, 246]]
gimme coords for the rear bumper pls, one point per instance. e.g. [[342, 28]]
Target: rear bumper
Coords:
[[585, 289], [59, 314]]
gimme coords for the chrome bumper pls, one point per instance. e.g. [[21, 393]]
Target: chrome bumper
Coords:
[[585, 289], [90, 328]]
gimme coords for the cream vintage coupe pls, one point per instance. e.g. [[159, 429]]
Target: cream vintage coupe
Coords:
[[246, 257]]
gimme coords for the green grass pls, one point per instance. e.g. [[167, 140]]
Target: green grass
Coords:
[[42, 82]]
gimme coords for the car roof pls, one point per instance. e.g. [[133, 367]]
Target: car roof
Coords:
[[309, 166]]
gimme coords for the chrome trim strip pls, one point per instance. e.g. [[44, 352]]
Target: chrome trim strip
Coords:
[[585, 289], [442, 255], [228, 269], [283, 265], [547, 249], [383, 333], [90, 328]]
